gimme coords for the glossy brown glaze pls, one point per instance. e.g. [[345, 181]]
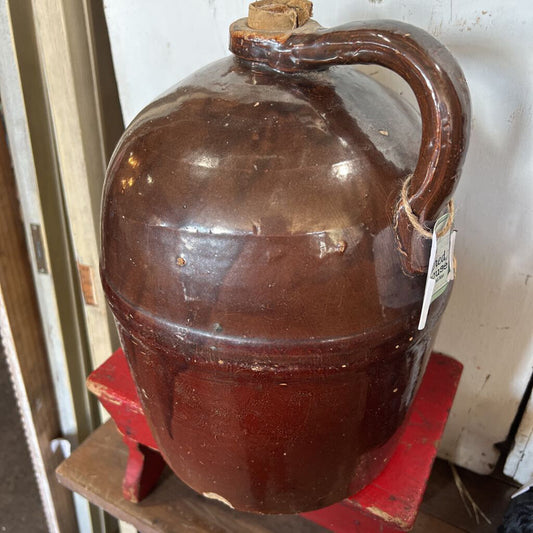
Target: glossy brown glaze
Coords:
[[430, 70], [250, 256]]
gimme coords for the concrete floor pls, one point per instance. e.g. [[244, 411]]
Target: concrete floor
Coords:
[[20, 505]]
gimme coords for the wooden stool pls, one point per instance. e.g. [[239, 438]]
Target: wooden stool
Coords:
[[389, 504]]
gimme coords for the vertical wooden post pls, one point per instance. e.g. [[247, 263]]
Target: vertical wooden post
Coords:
[[65, 54]]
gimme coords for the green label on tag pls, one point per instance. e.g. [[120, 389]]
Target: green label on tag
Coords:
[[440, 267]]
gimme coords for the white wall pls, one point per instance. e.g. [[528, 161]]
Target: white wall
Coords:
[[489, 320]]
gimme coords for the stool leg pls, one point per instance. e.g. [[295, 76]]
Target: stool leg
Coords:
[[142, 471]]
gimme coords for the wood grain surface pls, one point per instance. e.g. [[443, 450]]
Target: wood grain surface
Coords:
[[96, 468]]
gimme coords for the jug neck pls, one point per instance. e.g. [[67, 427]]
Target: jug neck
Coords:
[[269, 24]]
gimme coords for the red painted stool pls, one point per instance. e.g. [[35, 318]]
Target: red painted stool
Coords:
[[388, 504]]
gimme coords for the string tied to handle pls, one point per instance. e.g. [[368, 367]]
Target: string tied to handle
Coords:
[[414, 220]]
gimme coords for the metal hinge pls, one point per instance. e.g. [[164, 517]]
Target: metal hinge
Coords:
[[38, 248]]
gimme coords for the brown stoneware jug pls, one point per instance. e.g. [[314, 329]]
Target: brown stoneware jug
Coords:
[[265, 277]]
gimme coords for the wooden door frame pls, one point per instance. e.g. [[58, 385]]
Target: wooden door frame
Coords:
[[24, 346], [46, 133]]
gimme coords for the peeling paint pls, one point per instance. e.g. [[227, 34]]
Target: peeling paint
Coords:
[[388, 518]]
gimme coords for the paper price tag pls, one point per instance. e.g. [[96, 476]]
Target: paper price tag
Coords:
[[440, 267]]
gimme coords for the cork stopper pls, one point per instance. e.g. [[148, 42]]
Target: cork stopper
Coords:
[[279, 15]]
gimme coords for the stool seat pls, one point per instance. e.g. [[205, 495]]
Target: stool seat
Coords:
[[389, 504]]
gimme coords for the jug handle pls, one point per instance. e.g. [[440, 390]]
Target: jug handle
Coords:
[[436, 80]]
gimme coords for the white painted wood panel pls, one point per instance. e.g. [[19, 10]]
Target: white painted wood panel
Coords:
[[488, 322], [65, 55]]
